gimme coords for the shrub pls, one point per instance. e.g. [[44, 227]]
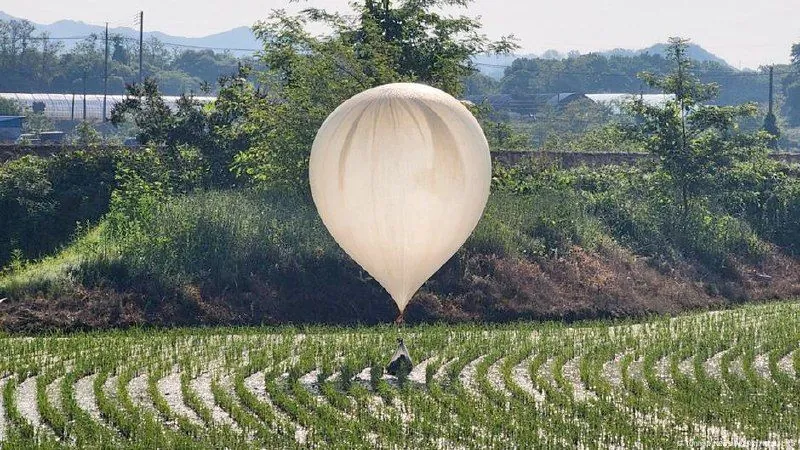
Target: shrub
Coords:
[[539, 223], [44, 199]]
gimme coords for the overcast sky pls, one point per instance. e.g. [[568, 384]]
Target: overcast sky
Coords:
[[746, 33]]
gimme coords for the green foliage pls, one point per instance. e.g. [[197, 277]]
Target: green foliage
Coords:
[[86, 135], [36, 123], [34, 63], [603, 138], [309, 76], [594, 73], [44, 199], [220, 239], [534, 213], [693, 141], [771, 127], [634, 205], [503, 136], [542, 222], [9, 107], [211, 131], [791, 88]]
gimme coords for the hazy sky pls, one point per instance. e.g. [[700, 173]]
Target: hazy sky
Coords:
[[746, 33]]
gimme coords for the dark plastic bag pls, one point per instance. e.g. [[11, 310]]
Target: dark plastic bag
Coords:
[[401, 362]]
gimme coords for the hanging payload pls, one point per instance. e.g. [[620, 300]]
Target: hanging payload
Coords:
[[400, 176], [401, 363]]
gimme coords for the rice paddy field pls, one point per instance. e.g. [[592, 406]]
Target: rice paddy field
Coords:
[[724, 379]]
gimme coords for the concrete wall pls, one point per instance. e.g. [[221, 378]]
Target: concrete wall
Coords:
[[564, 159], [570, 159]]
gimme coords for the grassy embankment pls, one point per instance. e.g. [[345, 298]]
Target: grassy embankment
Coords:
[[553, 244]]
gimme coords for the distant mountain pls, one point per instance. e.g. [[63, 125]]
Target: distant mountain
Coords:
[[494, 65], [694, 51], [243, 38], [237, 38]]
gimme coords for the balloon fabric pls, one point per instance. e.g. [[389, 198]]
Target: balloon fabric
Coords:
[[400, 176]]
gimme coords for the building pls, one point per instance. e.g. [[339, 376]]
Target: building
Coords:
[[10, 128], [79, 107], [615, 101], [530, 105], [564, 98]]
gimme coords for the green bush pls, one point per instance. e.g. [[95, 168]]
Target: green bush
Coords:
[[539, 223], [641, 210], [44, 199], [221, 238]]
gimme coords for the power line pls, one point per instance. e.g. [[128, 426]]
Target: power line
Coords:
[[66, 38], [233, 49], [612, 74]]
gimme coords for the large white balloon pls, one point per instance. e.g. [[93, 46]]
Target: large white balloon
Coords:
[[400, 175]]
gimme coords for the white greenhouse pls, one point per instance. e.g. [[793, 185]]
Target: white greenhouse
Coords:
[[71, 107], [615, 101]]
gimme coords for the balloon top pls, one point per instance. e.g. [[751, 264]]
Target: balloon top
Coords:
[[407, 91]]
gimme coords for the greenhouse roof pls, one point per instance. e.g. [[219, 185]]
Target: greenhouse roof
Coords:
[[616, 100], [71, 107]]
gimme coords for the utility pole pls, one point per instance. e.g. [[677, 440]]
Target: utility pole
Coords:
[[84, 95], [770, 122], [44, 58], [770, 88], [141, 41], [105, 76]]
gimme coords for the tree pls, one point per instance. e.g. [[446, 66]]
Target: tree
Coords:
[[594, 72], [217, 131], [31, 62], [9, 107], [695, 142], [792, 88], [205, 64], [86, 135], [148, 110], [308, 76], [120, 51], [771, 127]]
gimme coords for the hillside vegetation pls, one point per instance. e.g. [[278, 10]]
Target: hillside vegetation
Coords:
[[552, 244]]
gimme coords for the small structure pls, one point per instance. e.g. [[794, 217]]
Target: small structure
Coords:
[[531, 104], [401, 363], [10, 128], [51, 137], [615, 101], [564, 98]]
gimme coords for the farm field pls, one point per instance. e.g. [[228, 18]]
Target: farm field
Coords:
[[707, 380]]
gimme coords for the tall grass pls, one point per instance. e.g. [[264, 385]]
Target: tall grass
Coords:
[[535, 224], [68, 268], [224, 237]]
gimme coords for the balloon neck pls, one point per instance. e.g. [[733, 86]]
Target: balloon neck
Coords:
[[400, 320]]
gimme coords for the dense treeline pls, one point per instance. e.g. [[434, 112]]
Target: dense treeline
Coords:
[[596, 73], [32, 62], [791, 87]]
